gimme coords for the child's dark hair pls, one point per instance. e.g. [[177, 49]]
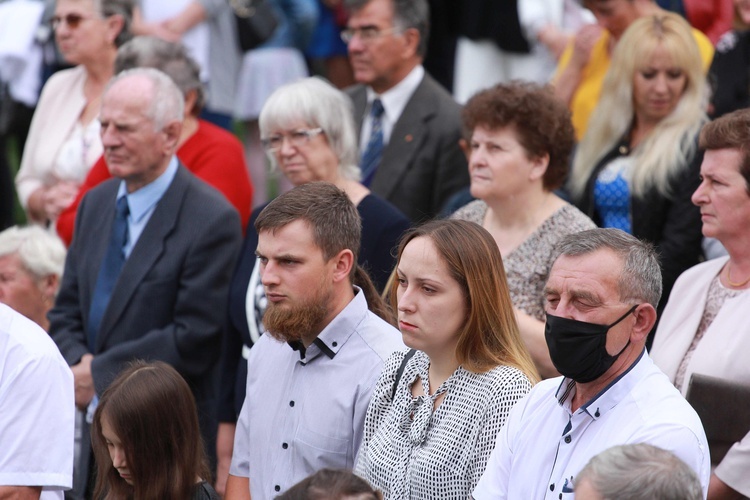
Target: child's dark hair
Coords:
[[331, 484], [151, 409]]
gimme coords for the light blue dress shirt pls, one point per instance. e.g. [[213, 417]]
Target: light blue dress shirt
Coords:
[[143, 202]]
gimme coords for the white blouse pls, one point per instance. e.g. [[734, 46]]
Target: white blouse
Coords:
[[411, 451]]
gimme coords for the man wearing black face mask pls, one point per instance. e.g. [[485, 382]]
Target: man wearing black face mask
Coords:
[[601, 296]]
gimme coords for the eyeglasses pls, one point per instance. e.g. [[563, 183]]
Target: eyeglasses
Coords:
[[366, 34], [297, 138], [72, 20]]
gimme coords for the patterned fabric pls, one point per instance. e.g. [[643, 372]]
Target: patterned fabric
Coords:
[[612, 194], [411, 450], [373, 153], [527, 266], [717, 295]]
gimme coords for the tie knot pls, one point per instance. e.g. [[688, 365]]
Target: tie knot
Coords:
[[376, 111], [122, 208]]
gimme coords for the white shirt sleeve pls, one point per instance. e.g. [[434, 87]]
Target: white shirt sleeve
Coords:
[[36, 418]]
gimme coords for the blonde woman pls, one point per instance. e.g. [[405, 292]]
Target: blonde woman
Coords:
[[638, 163]]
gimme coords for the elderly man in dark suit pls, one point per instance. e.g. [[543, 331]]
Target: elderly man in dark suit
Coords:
[[410, 127], [147, 273]]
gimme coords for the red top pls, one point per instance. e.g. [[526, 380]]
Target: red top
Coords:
[[712, 17], [212, 154]]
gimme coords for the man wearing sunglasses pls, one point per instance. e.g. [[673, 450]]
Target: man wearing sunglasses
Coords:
[[409, 126]]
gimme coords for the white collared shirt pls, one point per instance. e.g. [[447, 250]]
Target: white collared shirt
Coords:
[[305, 410], [37, 417], [543, 445], [394, 101]]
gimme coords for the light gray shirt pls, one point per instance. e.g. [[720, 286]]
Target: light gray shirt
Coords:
[[305, 409]]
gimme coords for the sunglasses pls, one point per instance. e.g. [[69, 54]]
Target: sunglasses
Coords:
[[71, 20]]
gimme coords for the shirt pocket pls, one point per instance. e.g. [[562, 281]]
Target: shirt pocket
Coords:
[[317, 451]]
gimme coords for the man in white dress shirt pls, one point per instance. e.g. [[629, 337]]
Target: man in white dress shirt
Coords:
[[36, 412], [601, 297], [311, 375]]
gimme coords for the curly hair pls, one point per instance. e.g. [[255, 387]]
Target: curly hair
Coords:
[[541, 122]]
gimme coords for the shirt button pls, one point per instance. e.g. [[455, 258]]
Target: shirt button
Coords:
[[560, 497], [567, 439], [552, 487], [334, 344], [291, 403], [285, 446], [277, 488]]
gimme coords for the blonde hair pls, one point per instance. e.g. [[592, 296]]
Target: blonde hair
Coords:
[[671, 144]]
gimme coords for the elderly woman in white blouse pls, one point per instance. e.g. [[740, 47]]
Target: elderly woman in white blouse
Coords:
[[705, 327], [63, 142], [436, 410]]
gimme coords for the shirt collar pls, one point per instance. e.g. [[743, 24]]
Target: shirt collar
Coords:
[[143, 199], [337, 332], [395, 99], [611, 395]]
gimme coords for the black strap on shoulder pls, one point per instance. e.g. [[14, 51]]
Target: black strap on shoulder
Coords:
[[400, 371]]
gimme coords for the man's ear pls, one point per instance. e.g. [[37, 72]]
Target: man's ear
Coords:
[[342, 265], [172, 131], [645, 315], [411, 45]]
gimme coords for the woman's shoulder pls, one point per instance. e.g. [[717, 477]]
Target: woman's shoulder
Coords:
[[502, 380], [570, 217], [66, 78], [473, 212], [204, 491], [379, 208]]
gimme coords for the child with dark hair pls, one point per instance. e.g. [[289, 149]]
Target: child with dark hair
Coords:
[[146, 438], [331, 484]]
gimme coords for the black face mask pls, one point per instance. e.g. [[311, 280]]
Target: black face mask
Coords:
[[579, 349]]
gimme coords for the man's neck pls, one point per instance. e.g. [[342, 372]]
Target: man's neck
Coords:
[[383, 86], [588, 391]]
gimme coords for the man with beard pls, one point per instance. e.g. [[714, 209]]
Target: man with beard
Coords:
[[310, 378], [601, 297]]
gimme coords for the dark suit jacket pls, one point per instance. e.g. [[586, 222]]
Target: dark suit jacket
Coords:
[[423, 164], [169, 302]]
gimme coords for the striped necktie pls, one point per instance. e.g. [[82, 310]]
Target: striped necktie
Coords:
[[374, 151]]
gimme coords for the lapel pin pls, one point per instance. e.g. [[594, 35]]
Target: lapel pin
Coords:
[[409, 138]]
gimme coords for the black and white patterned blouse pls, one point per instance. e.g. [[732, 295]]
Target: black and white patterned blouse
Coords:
[[411, 451]]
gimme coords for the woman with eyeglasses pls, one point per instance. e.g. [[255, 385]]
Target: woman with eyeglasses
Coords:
[[63, 141], [308, 132]]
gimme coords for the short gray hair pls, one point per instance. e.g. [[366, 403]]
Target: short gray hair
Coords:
[[166, 101], [122, 8], [640, 279], [169, 57], [637, 471], [41, 252], [318, 104], [406, 14]]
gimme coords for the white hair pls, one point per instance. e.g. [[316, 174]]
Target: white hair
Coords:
[[167, 103], [318, 104], [41, 253]]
